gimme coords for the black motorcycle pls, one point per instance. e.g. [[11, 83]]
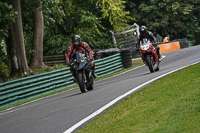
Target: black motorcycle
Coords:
[[82, 72]]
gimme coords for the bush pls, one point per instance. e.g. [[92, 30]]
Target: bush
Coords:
[[4, 72]]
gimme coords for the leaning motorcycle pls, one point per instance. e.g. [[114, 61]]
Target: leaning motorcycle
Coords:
[[82, 72], [149, 55]]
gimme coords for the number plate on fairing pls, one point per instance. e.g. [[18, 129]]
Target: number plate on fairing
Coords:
[[145, 47]]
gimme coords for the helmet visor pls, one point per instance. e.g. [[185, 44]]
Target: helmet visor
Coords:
[[76, 43]]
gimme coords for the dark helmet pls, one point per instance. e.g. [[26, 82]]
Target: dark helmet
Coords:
[[76, 38], [143, 30]]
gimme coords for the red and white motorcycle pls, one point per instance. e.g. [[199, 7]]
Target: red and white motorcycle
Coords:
[[149, 55]]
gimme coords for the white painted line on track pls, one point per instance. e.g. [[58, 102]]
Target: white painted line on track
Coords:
[[71, 129]]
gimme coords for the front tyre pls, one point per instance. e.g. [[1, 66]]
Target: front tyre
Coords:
[[149, 61], [81, 84]]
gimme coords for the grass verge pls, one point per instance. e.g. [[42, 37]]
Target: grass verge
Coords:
[[38, 71], [170, 104], [136, 63]]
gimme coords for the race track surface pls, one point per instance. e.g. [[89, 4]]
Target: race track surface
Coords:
[[57, 113]]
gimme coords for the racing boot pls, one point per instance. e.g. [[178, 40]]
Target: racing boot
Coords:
[[159, 56], [75, 80], [93, 68], [94, 74], [72, 71]]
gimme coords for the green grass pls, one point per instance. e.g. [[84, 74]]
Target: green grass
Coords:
[[48, 69], [39, 71], [136, 63], [169, 105]]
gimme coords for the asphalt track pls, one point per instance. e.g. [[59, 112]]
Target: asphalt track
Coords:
[[57, 113]]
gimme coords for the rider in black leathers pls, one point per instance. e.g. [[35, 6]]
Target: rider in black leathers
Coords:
[[144, 33], [81, 47]]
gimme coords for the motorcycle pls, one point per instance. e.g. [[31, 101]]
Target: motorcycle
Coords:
[[82, 72], [149, 55]]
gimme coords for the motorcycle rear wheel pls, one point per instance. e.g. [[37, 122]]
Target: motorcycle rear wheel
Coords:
[[149, 63], [81, 84]]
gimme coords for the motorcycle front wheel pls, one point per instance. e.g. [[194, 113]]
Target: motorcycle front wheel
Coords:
[[149, 61], [81, 83]]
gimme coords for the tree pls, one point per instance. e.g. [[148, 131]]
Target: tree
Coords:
[[114, 10], [7, 16], [15, 44], [178, 18], [37, 60]]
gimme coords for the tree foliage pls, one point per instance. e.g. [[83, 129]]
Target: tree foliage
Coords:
[[177, 18], [93, 19], [7, 16], [114, 11]]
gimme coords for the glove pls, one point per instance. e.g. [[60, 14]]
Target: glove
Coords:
[[89, 59], [68, 63]]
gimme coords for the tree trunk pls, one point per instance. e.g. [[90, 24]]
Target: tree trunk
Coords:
[[16, 48], [37, 60]]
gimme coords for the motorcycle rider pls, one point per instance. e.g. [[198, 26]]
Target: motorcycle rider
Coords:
[[167, 38], [144, 33], [81, 47]]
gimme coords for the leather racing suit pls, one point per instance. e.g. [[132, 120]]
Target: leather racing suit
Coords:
[[84, 49], [149, 35]]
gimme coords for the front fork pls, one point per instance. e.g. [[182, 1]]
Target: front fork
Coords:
[[75, 73], [155, 58], [87, 77]]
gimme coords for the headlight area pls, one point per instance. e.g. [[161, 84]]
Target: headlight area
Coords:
[[149, 49]]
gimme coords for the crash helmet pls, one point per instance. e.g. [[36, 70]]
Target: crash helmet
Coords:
[[75, 39], [143, 30]]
